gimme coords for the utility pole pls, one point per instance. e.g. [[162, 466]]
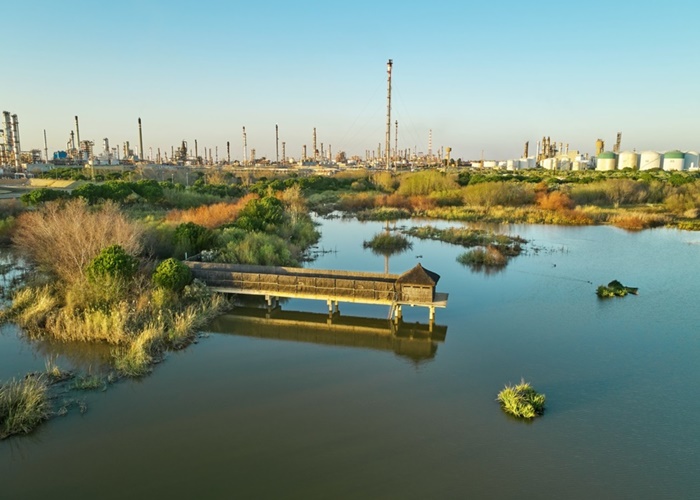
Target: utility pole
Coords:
[[277, 143]]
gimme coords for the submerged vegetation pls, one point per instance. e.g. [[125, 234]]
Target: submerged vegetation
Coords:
[[521, 400], [615, 289]]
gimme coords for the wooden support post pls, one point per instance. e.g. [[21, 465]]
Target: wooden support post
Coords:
[[397, 314]]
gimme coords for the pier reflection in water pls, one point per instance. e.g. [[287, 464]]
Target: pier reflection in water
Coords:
[[414, 341]]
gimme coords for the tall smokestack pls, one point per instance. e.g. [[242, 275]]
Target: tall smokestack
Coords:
[[277, 142], [245, 147], [389, 65], [15, 139], [77, 131], [315, 151], [196, 153], [228, 152], [284, 156], [527, 149], [142, 155], [46, 147]]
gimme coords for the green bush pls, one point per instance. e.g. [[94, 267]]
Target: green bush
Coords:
[[112, 262], [192, 238], [42, 195], [260, 214], [172, 274]]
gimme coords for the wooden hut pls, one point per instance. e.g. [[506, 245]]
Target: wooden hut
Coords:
[[417, 285]]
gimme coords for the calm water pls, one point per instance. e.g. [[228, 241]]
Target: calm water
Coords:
[[273, 411]]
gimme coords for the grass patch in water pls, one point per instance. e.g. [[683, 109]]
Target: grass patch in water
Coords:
[[521, 400], [23, 405], [478, 258], [385, 243]]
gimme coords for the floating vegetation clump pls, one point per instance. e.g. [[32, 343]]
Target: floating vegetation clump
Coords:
[[615, 289], [521, 400], [387, 244]]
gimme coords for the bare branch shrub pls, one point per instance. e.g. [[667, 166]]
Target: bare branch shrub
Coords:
[[63, 238]]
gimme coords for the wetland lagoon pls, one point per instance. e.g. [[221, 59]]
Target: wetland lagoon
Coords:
[[263, 410]]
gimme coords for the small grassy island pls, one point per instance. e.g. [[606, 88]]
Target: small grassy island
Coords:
[[387, 244], [521, 400], [615, 289]]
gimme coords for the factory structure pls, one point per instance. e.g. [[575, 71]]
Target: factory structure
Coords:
[[548, 154]]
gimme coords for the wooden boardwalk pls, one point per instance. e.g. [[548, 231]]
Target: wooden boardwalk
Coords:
[[416, 287]]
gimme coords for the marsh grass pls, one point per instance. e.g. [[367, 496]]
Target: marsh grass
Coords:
[[521, 400], [24, 405], [466, 237]]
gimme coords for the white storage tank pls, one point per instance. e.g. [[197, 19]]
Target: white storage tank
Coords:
[[649, 160], [490, 164], [564, 164], [512, 165], [692, 158], [673, 160], [532, 162], [606, 161], [628, 159], [550, 164]]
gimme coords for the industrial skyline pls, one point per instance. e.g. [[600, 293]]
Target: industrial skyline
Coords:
[[471, 77]]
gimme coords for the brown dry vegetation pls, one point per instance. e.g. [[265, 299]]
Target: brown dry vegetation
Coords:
[[63, 238], [211, 216], [556, 200]]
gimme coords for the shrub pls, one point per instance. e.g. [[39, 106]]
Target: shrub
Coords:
[[521, 400], [172, 274], [260, 214], [499, 193], [424, 183], [556, 200], [64, 237], [211, 216], [42, 195], [112, 262], [192, 238]]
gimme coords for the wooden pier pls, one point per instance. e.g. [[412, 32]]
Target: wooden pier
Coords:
[[415, 288]]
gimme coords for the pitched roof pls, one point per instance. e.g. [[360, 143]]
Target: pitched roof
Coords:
[[419, 276]]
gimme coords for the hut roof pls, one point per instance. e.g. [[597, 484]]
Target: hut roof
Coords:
[[419, 276]]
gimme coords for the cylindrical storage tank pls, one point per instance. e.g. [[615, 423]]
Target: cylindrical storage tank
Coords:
[[490, 164], [628, 159], [564, 164], [549, 163], [523, 164], [606, 161], [649, 160], [673, 160], [532, 162], [692, 158], [511, 165]]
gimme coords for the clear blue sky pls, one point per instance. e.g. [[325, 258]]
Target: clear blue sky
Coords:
[[482, 75]]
